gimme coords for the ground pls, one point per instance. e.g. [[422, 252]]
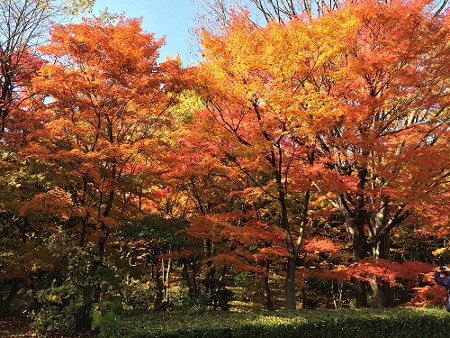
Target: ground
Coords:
[[16, 327]]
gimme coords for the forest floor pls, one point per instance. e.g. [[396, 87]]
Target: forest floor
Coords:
[[16, 327]]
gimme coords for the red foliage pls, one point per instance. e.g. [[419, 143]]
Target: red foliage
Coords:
[[381, 270], [317, 244]]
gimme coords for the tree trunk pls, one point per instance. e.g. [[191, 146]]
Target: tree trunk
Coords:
[[185, 275], [289, 285], [379, 293], [6, 303], [382, 291], [267, 291], [159, 286], [166, 280], [360, 250], [304, 297], [361, 293], [195, 270]]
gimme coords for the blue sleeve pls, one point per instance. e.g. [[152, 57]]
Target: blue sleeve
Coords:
[[442, 281]]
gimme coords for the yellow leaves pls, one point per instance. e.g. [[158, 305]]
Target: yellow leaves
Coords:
[[75, 7], [439, 251], [288, 68], [44, 4], [54, 298]]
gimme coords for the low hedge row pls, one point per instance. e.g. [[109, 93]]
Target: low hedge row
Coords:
[[400, 322]]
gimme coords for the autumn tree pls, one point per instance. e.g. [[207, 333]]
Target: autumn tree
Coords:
[[348, 105], [240, 84], [388, 150], [106, 97], [24, 24], [205, 190], [198, 191]]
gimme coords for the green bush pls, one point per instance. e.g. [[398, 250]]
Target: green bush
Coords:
[[401, 322], [181, 300], [67, 301]]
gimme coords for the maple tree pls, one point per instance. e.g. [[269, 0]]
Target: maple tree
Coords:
[[216, 203], [280, 11], [199, 189], [106, 98], [388, 149], [254, 135], [336, 105], [24, 25]]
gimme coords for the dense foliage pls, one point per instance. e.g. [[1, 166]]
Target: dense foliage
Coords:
[[300, 164]]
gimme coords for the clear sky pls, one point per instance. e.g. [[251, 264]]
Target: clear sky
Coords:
[[171, 18]]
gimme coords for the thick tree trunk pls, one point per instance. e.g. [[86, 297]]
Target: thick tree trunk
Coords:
[[379, 293], [360, 250], [360, 293], [289, 285], [389, 294], [382, 290]]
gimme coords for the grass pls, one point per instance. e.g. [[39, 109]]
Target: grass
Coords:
[[398, 322]]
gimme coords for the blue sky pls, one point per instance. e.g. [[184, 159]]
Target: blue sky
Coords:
[[171, 18]]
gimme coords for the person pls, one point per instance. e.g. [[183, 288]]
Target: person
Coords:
[[442, 277]]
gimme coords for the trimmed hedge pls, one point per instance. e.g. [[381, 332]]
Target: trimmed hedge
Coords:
[[399, 322]]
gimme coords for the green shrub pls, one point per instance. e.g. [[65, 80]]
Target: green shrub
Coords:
[[401, 322], [67, 301]]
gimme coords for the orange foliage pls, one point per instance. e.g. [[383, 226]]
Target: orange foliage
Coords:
[[105, 98]]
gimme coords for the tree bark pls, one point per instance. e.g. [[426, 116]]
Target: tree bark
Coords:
[[185, 275], [360, 250], [289, 285], [382, 290], [361, 293], [267, 291]]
